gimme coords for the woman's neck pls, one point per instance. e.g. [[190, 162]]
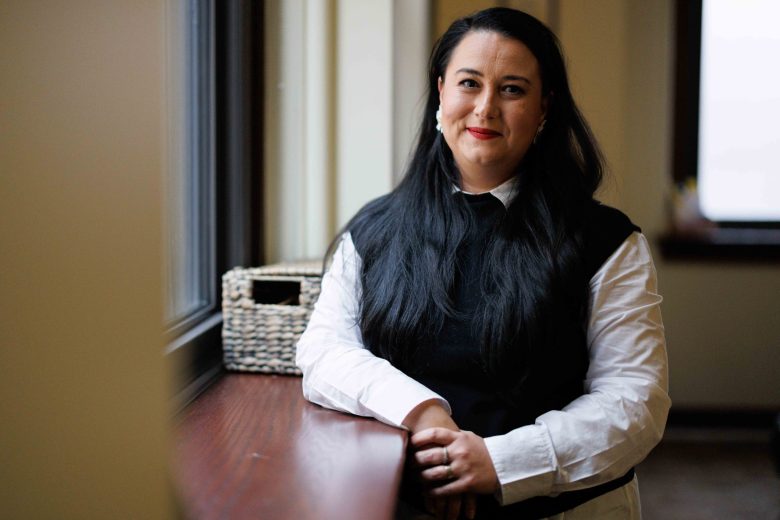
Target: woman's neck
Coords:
[[481, 183]]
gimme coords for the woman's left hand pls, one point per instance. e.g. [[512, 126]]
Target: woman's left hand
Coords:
[[463, 467]]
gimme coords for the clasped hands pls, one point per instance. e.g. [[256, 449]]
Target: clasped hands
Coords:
[[453, 465]]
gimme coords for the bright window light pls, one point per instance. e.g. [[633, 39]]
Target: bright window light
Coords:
[[739, 121]]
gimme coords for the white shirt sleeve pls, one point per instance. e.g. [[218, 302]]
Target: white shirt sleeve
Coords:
[[612, 427], [339, 372]]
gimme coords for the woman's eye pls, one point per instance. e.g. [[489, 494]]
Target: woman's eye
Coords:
[[513, 89], [469, 83]]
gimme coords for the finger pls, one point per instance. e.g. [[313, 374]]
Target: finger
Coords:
[[470, 505], [431, 457], [453, 507], [439, 436], [453, 488], [436, 473], [420, 448]]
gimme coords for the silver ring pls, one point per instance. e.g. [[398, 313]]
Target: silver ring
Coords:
[[450, 474], [446, 456]]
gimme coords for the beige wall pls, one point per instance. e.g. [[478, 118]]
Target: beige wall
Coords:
[[345, 84], [722, 330], [83, 387], [446, 11]]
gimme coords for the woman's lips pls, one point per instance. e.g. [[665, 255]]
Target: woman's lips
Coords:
[[482, 133]]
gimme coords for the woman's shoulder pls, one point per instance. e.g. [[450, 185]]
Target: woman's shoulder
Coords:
[[602, 216], [606, 228]]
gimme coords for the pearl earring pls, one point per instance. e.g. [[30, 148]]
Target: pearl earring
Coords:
[[539, 130], [438, 119]]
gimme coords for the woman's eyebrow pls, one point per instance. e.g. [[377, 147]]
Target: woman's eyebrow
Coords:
[[518, 78], [469, 71], [475, 72]]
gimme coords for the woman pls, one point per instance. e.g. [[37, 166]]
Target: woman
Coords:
[[489, 305]]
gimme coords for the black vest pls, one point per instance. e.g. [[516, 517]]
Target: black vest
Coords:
[[450, 364]]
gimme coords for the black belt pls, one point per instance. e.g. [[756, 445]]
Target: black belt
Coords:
[[542, 507]]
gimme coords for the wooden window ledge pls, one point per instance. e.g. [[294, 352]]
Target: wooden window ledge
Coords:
[[252, 447], [738, 244]]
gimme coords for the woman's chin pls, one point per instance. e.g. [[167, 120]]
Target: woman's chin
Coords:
[[487, 161]]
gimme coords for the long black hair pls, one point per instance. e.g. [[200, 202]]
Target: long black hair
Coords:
[[533, 271]]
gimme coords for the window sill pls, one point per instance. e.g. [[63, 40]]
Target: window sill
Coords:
[[732, 244], [251, 447]]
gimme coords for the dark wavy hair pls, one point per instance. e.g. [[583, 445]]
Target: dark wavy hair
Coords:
[[533, 273]]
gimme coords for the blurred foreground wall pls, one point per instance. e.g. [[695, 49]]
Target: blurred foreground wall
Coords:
[[83, 387]]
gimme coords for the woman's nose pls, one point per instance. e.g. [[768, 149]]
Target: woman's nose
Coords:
[[486, 107]]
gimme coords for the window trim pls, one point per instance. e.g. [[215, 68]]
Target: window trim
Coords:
[[200, 149], [195, 347]]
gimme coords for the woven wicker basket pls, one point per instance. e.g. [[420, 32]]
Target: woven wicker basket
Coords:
[[264, 312]]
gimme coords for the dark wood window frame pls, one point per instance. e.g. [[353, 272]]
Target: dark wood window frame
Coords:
[[236, 37], [721, 241]]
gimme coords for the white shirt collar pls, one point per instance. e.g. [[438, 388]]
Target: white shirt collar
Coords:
[[505, 192]]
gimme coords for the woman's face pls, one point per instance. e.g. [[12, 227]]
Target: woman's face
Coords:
[[492, 104]]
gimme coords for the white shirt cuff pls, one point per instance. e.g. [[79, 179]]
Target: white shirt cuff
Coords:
[[526, 472], [406, 396]]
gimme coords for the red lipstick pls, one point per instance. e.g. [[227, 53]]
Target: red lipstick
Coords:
[[482, 133]]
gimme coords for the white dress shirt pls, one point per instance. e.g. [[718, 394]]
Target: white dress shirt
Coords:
[[596, 438]]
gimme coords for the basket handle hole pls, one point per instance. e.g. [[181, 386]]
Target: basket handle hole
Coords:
[[276, 292]]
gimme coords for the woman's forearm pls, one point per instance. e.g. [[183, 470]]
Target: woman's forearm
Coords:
[[339, 372], [429, 414]]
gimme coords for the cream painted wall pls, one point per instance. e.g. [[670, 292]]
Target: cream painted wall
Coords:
[[299, 147], [411, 42], [595, 40], [364, 100], [447, 11], [345, 79], [83, 392]]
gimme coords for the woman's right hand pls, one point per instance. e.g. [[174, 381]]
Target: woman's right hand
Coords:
[[430, 414]]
